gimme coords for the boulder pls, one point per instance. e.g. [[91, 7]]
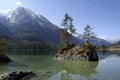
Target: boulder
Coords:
[[76, 53], [4, 58], [17, 75]]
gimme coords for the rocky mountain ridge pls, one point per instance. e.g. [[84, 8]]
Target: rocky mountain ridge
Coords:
[[23, 25]]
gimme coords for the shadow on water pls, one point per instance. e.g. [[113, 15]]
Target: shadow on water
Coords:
[[6, 67], [16, 64], [2, 64], [81, 68]]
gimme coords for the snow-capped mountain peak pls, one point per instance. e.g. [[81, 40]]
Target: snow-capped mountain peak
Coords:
[[29, 26], [20, 13], [25, 14], [27, 10]]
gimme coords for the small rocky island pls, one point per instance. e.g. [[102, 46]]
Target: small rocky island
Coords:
[[77, 53]]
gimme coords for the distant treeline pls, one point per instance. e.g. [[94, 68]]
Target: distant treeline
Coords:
[[33, 48]]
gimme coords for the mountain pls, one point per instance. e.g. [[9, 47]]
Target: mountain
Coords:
[[96, 41], [116, 45], [23, 25], [114, 41], [5, 32], [100, 42]]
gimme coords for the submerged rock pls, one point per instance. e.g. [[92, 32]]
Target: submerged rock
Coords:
[[75, 52], [4, 58], [18, 75]]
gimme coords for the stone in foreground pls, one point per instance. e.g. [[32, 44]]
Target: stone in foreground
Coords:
[[18, 75], [76, 53], [4, 58]]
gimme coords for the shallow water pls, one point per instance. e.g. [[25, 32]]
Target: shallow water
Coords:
[[107, 68]]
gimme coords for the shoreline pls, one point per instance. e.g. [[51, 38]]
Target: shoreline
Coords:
[[109, 49]]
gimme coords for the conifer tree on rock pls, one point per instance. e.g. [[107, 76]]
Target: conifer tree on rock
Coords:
[[68, 29], [88, 33]]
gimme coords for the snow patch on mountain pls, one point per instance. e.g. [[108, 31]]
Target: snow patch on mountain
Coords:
[[40, 23], [113, 41]]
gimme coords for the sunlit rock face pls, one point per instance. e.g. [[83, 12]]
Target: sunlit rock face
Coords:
[[75, 52]]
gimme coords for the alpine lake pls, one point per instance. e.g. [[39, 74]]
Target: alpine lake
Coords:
[[46, 68]]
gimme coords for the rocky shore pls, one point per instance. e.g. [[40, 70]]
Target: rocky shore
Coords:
[[17, 75], [4, 58], [76, 52]]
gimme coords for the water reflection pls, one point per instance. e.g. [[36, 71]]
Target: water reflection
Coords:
[[103, 54], [75, 68], [115, 52], [65, 76], [107, 68], [84, 68], [2, 65]]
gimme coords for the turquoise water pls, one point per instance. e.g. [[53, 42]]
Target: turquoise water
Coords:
[[107, 68]]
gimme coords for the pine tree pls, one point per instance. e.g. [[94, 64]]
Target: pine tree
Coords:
[[88, 34], [71, 27], [68, 28]]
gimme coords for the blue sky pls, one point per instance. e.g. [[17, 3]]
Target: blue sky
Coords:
[[102, 15]]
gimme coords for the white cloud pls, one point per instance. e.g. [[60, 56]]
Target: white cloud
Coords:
[[18, 3], [5, 11], [103, 37]]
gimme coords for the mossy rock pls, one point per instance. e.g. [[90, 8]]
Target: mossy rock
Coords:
[[75, 52]]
